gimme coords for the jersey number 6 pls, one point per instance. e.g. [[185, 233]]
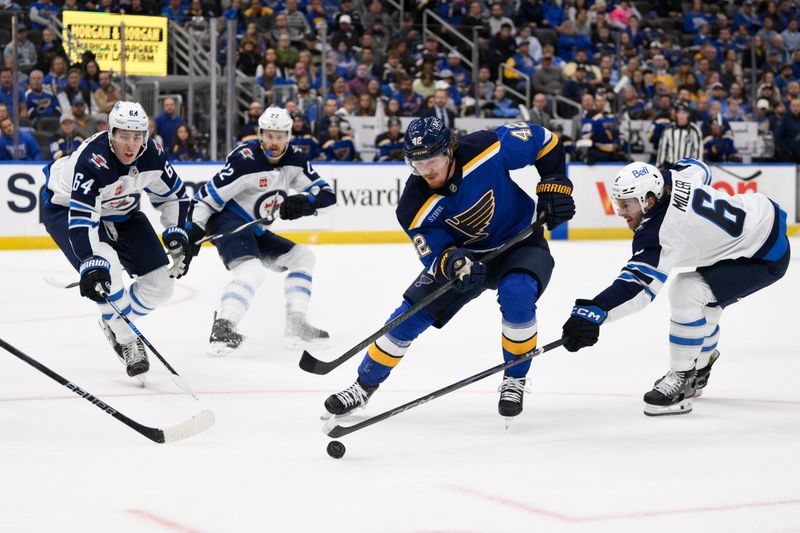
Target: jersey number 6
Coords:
[[725, 216]]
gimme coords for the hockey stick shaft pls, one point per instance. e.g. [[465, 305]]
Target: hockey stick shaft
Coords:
[[214, 237], [186, 429], [340, 431], [176, 378], [311, 364], [749, 177]]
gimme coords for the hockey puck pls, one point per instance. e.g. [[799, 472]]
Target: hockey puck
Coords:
[[336, 449]]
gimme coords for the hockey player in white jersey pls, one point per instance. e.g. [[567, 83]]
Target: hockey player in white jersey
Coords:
[[254, 185], [90, 207], [737, 245]]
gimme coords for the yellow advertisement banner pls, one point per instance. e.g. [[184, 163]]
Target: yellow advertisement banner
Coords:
[[145, 41]]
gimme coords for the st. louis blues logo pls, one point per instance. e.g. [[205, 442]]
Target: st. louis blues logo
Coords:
[[268, 204], [99, 161], [423, 279], [247, 153], [475, 219]]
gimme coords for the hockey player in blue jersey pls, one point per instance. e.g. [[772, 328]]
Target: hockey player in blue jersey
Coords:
[[91, 210], [254, 184], [736, 244], [458, 204]]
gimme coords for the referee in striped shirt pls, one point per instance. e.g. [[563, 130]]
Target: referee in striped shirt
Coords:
[[680, 140]]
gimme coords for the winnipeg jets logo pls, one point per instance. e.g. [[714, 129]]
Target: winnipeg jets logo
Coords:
[[268, 204], [475, 219], [247, 153], [159, 147], [99, 161], [118, 190]]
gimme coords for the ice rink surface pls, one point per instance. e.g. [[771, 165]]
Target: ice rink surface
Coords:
[[581, 458]]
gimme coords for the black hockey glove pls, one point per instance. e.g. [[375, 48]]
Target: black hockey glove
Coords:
[[296, 206], [460, 264], [180, 250], [582, 329], [95, 278], [195, 233], [555, 201]]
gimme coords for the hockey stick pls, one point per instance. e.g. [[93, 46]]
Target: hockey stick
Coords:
[[176, 378], [60, 283], [188, 428], [749, 177], [311, 364], [336, 431], [266, 220]]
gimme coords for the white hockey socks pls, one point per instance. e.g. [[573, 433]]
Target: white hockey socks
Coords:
[[689, 327], [237, 295], [299, 261]]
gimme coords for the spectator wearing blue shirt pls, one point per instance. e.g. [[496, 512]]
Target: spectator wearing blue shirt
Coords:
[[42, 14], [168, 121], [695, 18], [65, 141], [718, 147], [552, 14], [41, 103], [569, 41], [24, 149], [7, 93], [745, 16], [501, 106], [174, 11], [411, 103]]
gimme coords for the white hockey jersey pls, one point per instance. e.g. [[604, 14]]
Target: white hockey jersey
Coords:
[[253, 188], [97, 188], [699, 226]]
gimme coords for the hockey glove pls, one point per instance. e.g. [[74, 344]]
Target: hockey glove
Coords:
[[460, 265], [195, 233], [95, 278], [180, 250], [582, 329], [555, 201], [296, 206]]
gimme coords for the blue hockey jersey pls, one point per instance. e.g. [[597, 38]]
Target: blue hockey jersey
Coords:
[[479, 207]]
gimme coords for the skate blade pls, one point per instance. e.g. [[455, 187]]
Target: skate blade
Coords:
[[219, 349], [681, 408]]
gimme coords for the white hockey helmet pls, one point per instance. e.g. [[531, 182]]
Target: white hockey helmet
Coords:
[[275, 119], [128, 116], [637, 180]]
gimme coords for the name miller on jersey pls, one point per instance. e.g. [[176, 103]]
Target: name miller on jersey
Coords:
[[681, 190]]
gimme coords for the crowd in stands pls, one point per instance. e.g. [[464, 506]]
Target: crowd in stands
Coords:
[[598, 62]]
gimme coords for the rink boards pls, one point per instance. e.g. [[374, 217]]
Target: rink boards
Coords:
[[367, 195]]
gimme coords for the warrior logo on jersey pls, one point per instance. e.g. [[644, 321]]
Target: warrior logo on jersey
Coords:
[[475, 219], [268, 204], [99, 161], [247, 153]]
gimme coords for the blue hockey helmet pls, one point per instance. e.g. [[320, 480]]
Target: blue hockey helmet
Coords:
[[425, 138]]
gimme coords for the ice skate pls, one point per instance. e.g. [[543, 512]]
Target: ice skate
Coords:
[[224, 337], [511, 394], [704, 374], [300, 334], [344, 403], [672, 394], [132, 354]]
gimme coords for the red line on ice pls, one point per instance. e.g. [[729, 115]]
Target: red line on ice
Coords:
[[160, 520], [621, 516]]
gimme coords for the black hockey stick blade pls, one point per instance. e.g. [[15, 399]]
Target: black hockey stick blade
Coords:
[[311, 364], [337, 431], [266, 220], [748, 177], [183, 430]]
